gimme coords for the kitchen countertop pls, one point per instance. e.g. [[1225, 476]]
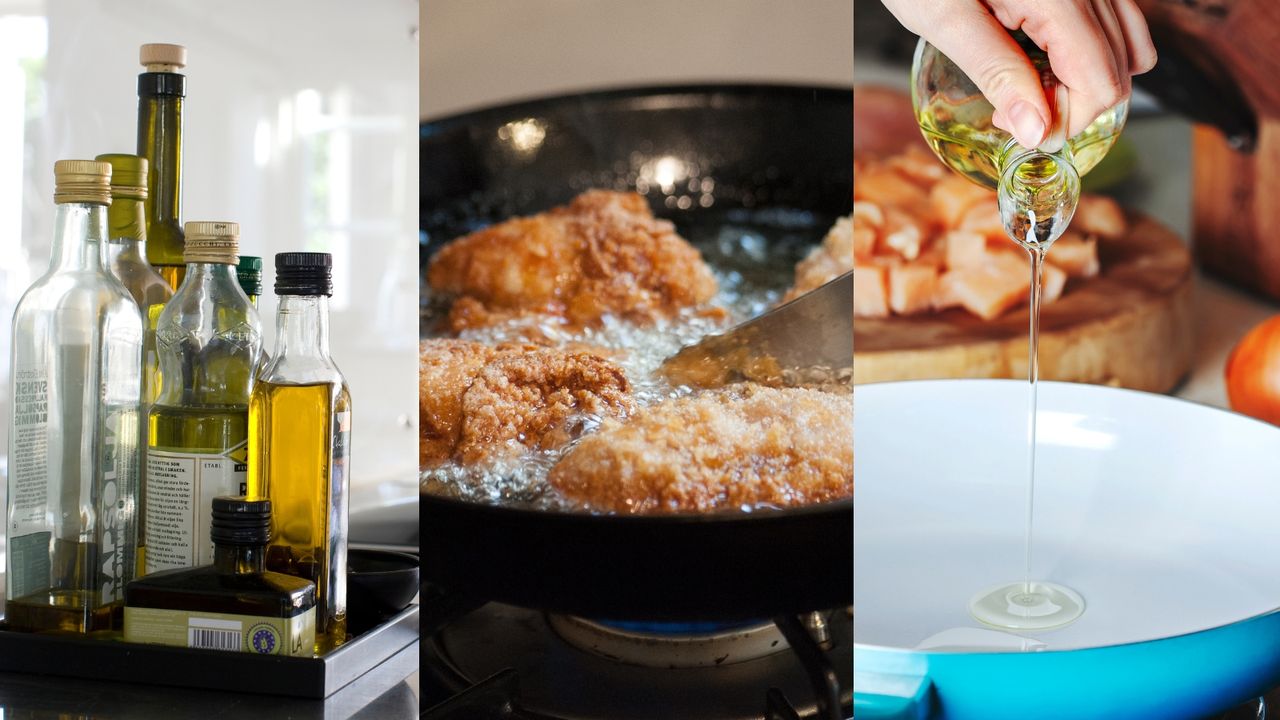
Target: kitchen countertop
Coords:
[[388, 692]]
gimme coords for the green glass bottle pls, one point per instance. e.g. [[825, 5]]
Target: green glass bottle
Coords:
[[249, 273], [161, 90], [209, 340], [126, 246]]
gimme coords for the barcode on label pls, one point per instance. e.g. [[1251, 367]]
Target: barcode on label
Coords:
[[222, 636]]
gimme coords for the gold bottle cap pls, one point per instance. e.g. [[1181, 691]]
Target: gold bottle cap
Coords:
[[160, 57], [212, 242], [128, 175], [82, 181]]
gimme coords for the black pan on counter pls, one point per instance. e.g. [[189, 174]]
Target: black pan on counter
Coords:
[[746, 153]]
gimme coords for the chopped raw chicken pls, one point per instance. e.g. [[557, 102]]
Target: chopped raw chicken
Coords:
[[922, 239], [953, 196], [870, 296], [1098, 215], [984, 218], [886, 187], [911, 288], [1076, 254], [1053, 283], [903, 234]]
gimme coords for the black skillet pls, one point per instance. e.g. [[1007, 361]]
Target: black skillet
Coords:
[[775, 155]]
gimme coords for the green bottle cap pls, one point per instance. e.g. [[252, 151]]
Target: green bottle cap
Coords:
[[128, 175], [249, 273]]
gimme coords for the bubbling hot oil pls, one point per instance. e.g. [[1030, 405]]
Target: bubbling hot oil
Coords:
[[752, 255]]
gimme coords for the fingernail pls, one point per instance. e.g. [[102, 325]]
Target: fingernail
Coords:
[[1028, 128]]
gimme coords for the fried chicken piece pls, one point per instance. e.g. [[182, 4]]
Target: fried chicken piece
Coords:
[[828, 261], [478, 404], [446, 370], [745, 445], [603, 253]]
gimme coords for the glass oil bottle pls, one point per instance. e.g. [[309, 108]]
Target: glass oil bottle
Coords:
[[1038, 190], [956, 119], [73, 443], [161, 92], [249, 273], [234, 604], [299, 441], [209, 340]]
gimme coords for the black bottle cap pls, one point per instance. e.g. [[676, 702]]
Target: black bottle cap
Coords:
[[161, 84], [241, 521], [304, 273]]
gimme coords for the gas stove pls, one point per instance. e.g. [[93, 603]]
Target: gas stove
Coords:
[[504, 662]]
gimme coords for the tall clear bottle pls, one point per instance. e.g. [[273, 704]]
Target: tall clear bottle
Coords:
[[208, 339], [161, 91], [299, 443], [76, 387]]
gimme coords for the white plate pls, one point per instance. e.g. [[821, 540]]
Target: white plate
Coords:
[[1163, 514]]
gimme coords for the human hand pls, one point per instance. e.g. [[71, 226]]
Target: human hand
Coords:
[[1094, 48]]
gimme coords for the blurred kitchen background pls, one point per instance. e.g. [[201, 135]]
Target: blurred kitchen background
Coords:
[[1158, 182], [485, 52], [299, 124]]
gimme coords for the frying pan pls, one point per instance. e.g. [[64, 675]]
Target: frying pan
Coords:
[[1159, 512], [774, 156]]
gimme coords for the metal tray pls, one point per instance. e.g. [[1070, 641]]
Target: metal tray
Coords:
[[315, 678]]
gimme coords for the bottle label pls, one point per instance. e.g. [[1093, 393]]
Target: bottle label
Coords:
[[180, 492], [294, 636], [114, 498], [29, 563]]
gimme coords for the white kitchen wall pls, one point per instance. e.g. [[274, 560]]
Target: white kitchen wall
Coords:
[[300, 124]]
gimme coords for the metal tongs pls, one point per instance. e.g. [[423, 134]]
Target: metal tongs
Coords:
[[808, 341]]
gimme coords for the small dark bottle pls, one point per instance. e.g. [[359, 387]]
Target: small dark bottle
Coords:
[[233, 604]]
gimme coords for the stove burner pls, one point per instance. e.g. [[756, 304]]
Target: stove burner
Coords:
[[671, 645], [501, 661]]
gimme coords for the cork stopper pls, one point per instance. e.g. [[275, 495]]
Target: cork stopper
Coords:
[[160, 57], [211, 242], [128, 175], [82, 181]]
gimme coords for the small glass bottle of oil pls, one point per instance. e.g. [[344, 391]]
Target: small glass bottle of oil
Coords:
[[299, 440], [1039, 187], [234, 604], [209, 340]]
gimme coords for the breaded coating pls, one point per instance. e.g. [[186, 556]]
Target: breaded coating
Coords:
[[478, 404], [745, 445], [603, 253], [446, 370], [828, 261]]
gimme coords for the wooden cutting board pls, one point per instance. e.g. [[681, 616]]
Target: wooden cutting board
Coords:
[[1130, 326]]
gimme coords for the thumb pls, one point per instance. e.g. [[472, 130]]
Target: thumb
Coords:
[[981, 47]]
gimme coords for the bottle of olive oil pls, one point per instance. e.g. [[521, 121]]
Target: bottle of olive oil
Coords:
[[956, 119], [209, 339], [249, 273], [235, 604], [299, 440], [126, 246], [76, 390], [161, 90]]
